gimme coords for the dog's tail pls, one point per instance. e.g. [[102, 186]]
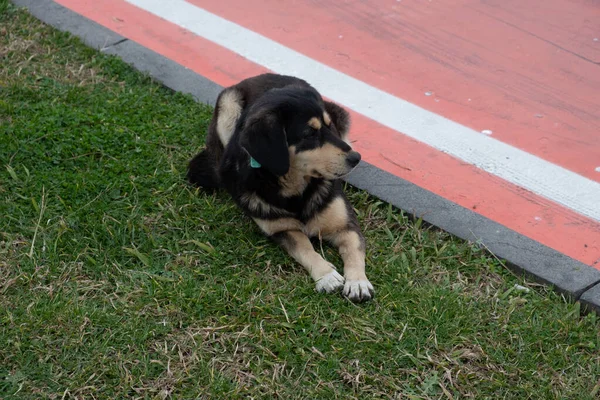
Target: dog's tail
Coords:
[[202, 171]]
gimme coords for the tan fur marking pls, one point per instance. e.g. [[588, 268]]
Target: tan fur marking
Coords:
[[333, 218], [230, 109], [326, 118], [314, 123], [327, 162], [273, 226], [303, 252], [293, 184], [352, 251], [295, 181], [328, 157], [256, 204]]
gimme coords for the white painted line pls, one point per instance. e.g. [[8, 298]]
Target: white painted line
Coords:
[[514, 165]]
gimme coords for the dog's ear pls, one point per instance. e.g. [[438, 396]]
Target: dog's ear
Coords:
[[339, 117], [264, 138]]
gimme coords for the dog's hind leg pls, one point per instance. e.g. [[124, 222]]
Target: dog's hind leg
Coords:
[[298, 245], [202, 171]]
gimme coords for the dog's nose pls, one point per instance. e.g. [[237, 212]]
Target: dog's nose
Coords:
[[353, 158]]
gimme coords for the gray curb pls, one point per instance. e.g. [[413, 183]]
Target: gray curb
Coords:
[[591, 299], [575, 279]]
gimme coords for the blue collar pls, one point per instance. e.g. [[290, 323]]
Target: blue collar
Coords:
[[254, 163]]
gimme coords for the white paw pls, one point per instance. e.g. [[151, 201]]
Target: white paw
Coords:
[[329, 283], [358, 291]]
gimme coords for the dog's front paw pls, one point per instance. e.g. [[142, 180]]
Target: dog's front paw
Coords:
[[358, 291], [331, 282]]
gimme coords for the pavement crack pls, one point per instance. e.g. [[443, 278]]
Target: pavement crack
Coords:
[[114, 44], [581, 292]]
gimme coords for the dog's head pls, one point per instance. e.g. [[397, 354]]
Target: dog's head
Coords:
[[293, 129]]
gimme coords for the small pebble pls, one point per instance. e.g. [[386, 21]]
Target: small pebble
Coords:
[[520, 288]]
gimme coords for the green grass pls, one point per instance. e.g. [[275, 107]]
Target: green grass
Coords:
[[118, 280]]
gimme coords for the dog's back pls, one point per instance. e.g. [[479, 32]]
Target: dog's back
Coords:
[[231, 103]]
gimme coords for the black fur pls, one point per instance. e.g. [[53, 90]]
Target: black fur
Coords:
[[202, 172]]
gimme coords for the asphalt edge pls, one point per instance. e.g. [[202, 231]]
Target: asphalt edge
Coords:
[[523, 255]]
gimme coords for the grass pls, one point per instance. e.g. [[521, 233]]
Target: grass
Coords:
[[118, 280]]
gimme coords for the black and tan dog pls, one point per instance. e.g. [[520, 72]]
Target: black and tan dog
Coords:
[[280, 150]]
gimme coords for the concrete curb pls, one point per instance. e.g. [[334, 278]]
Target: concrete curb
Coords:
[[524, 255]]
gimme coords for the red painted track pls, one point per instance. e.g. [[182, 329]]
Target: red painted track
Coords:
[[531, 78], [483, 73]]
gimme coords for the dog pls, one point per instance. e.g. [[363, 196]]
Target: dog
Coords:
[[280, 151]]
